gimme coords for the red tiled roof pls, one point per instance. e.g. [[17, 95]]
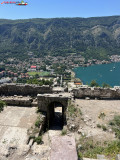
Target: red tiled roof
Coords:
[[33, 67], [78, 83]]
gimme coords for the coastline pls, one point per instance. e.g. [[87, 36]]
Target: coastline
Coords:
[[103, 73], [72, 75]]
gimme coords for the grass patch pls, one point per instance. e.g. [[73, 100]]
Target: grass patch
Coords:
[[72, 110], [37, 123], [90, 149], [104, 128], [35, 130], [98, 125], [39, 119], [38, 140], [115, 124], [39, 73], [64, 132]]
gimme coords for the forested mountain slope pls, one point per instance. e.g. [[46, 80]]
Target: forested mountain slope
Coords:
[[91, 37]]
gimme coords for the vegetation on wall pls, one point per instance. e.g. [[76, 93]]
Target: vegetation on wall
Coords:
[[2, 105]]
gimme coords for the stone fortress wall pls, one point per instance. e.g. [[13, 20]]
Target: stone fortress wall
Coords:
[[10, 89], [102, 93]]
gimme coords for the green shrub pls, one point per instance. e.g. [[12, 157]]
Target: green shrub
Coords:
[[105, 85], [104, 128], [38, 140], [102, 115], [94, 84], [31, 137], [2, 104], [72, 110], [80, 112], [115, 123], [111, 123], [64, 132], [37, 123], [90, 149], [80, 155], [117, 120], [98, 125]]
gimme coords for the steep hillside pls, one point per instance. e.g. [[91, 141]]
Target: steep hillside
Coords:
[[91, 37]]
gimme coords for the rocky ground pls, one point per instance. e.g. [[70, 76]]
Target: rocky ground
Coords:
[[96, 112]]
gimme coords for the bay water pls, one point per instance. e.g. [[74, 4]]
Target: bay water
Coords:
[[104, 73]]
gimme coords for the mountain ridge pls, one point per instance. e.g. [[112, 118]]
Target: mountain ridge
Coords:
[[94, 37]]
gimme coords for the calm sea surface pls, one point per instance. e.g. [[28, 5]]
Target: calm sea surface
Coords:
[[108, 73]]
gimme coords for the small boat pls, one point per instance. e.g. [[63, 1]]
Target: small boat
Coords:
[[111, 70], [113, 67]]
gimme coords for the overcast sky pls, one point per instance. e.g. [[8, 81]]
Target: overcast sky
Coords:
[[60, 8]]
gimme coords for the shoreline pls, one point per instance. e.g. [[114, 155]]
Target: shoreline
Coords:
[[72, 75], [112, 69]]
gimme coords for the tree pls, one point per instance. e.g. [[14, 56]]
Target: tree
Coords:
[[105, 85], [36, 75], [94, 84]]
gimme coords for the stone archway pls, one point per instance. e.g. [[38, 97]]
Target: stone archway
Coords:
[[46, 104], [55, 115]]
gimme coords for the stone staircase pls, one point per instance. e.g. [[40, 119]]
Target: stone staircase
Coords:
[[40, 152], [43, 150]]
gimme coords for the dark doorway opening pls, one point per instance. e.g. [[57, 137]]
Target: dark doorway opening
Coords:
[[56, 116]]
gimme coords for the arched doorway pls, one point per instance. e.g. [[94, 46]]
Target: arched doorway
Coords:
[[55, 116]]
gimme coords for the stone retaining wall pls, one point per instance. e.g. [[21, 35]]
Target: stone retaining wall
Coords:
[[11, 89], [17, 101], [104, 93]]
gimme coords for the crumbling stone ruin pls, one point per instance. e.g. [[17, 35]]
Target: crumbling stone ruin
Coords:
[[45, 97]]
